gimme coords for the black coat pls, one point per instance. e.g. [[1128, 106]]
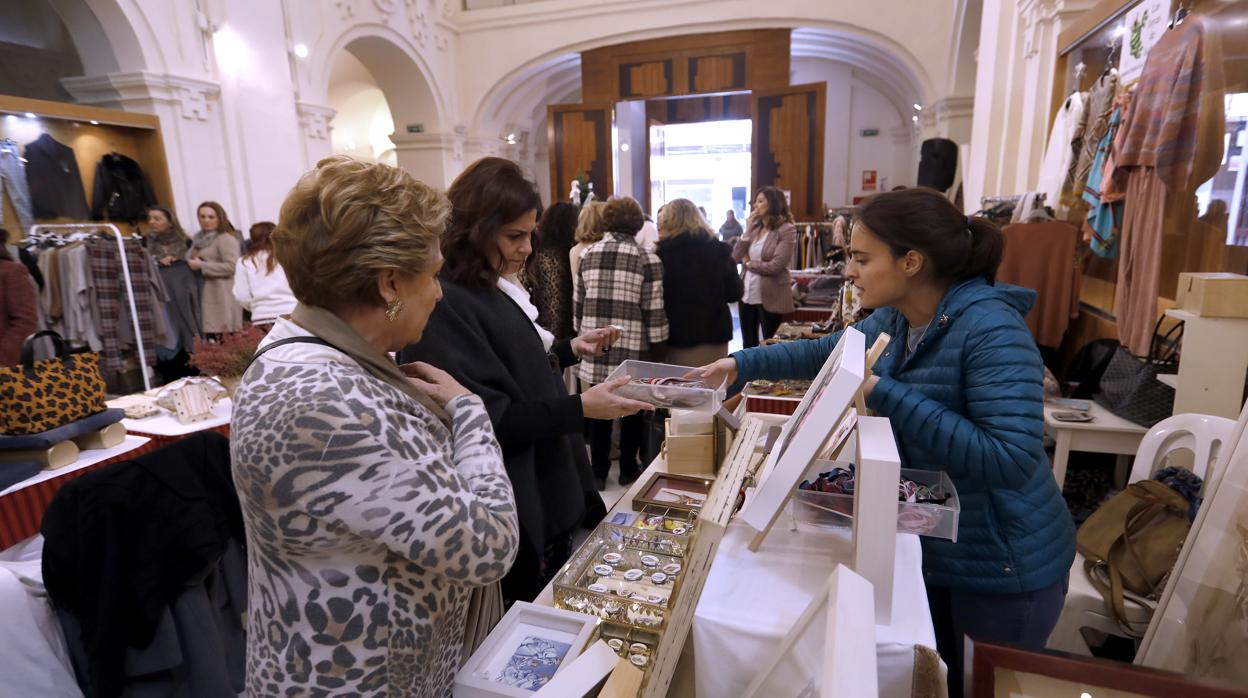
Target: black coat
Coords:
[[484, 340], [122, 542], [54, 181], [699, 281], [121, 192]]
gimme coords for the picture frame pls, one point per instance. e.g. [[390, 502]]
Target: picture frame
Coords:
[[998, 671], [830, 651], [804, 434], [582, 676], [673, 491], [1200, 626], [524, 652]]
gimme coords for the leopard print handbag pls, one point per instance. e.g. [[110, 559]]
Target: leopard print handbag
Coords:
[[40, 395]]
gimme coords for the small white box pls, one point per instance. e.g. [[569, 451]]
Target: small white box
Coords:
[[523, 652]]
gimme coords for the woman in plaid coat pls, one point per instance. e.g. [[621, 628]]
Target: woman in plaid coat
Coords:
[[621, 284]]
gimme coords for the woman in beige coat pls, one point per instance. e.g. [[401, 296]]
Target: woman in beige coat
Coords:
[[765, 252], [214, 253]]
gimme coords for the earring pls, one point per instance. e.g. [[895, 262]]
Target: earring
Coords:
[[393, 308]]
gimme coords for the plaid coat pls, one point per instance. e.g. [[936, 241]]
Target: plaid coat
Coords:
[[620, 284]]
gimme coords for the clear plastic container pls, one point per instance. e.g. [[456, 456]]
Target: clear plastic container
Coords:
[[830, 510], [667, 396]]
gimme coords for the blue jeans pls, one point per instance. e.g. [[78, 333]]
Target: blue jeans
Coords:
[[1023, 620]]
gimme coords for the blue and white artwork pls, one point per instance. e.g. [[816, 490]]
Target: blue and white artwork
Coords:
[[533, 663]]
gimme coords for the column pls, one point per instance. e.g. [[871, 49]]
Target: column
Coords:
[[315, 128], [426, 155]]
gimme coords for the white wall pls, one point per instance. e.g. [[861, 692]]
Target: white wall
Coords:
[[854, 105]]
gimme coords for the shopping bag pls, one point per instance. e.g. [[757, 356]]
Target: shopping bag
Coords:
[[1129, 387]]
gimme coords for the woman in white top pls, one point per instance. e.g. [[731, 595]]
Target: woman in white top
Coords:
[[260, 285]]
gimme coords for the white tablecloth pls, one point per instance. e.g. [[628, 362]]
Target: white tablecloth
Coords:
[[751, 600]]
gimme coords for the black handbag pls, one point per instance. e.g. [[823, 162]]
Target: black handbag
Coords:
[[1129, 387]]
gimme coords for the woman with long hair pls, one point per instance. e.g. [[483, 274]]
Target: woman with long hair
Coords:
[[485, 334], [214, 252], [548, 273], [589, 229], [765, 252], [699, 281], [260, 284], [963, 385]]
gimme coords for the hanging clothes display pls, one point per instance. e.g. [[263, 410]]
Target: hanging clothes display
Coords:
[[54, 180], [121, 191], [1170, 141], [112, 304], [1058, 155], [13, 183], [1104, 222]]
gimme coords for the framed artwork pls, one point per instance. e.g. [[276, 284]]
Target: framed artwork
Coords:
[[524, 652], [1200, 627], [830, 650], [678, 492], [802, 436], [583, 675], [1009, 672]]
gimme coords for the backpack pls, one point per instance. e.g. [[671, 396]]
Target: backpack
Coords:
[[1131, 543]]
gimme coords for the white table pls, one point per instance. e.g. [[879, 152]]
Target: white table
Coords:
[[751, 601], [1106, 433]]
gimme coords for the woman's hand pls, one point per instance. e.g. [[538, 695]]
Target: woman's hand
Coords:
[[595, 342], [601, 402], [195, 263], [166, 261], [435, 382], [722, 372]]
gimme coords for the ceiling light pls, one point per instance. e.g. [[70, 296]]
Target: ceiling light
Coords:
[[301, 50], [94, 122], [915, 118], [918, 107], [510, 138], [31, 115], [624, 147]]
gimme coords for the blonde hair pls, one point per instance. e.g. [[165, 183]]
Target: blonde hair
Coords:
[[347, 221], [589, 224], [681, 216]]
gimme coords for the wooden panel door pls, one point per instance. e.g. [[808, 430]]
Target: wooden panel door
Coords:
[[789, 125], [579, 137]]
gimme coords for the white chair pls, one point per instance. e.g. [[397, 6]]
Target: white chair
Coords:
[[1204, 436]]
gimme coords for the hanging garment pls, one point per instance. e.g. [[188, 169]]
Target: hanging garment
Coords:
[[1100, 105], [1104, 223], [121, 191], [13, 183], [938, 163], [1041, 256], [55, 182], [1170, 141], [1058, 154], [112, 301]]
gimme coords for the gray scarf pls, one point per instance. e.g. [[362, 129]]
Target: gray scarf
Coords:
[[204, 238], [337, 332]]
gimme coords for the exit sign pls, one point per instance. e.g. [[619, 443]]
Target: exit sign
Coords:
[[869, 132]]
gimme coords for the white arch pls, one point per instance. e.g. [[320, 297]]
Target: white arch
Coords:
[[413, 95], [110, 38], [902, 77]]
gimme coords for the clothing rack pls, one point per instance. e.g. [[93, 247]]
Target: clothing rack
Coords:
[[69, 228]]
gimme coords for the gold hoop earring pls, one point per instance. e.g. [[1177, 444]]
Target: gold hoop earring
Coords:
[[393, 308]]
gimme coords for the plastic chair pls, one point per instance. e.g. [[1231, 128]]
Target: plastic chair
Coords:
[[1201, 434]]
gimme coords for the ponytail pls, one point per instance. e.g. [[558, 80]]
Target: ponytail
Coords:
[[956, 247], [987, 249]]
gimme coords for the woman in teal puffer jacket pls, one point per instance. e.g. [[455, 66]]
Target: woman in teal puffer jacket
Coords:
[[962, 383]]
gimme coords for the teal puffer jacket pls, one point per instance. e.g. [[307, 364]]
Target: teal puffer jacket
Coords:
[[968, 401]]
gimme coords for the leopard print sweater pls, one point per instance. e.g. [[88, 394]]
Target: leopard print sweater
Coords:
[[368, 523]]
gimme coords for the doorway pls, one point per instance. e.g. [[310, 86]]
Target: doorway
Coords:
[[707, 162]]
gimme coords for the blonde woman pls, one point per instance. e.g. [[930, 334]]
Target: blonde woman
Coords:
[[589, 229], [374, 496], [699, 281]]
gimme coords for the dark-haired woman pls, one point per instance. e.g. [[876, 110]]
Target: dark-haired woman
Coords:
[[260, 284], [765, 252], [485, 334], [962, 383], [548, 275]]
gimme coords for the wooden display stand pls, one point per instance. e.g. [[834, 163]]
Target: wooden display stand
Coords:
[[66, 452], [92, 133]]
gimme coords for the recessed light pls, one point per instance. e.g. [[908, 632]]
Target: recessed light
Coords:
[[301, 50], [31, 115], [918, 107], [624, 147], [94, 122]]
